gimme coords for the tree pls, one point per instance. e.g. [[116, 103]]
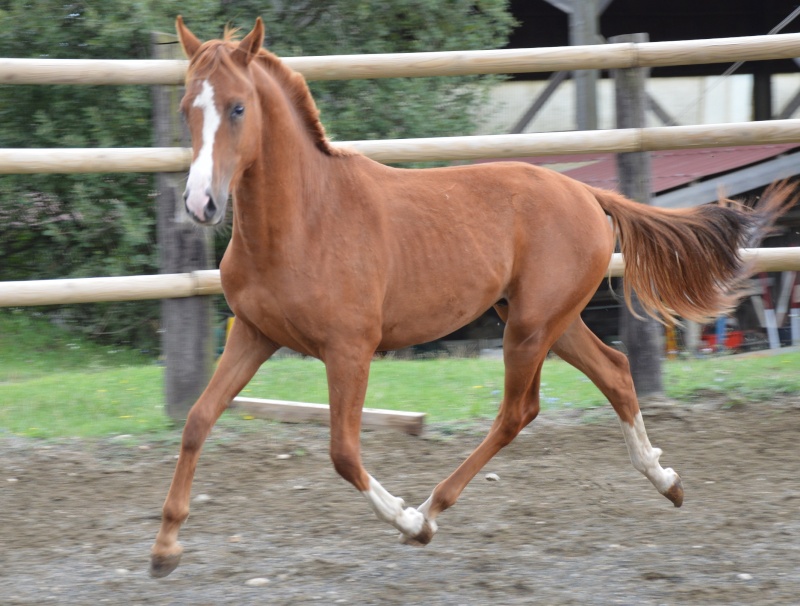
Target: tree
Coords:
[[94, 225], [396, 107]]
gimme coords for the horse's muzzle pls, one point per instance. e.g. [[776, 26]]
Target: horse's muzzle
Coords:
[[202, 208]]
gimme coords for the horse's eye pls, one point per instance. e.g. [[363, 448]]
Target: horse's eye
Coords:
[[237, 111]]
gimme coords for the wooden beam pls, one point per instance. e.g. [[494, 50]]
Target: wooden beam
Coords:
[[577, 142], [122, 288], [791, 107], [640, 333], [762, 94], [175, 159], [584, 30], [302, 412], [786, 258], [659, 111], [25, 161], [187, 324], [406, 65], [553, 82], [137, 288]]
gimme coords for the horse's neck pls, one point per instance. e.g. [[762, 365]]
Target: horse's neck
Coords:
[[289, 189], [281, 196]]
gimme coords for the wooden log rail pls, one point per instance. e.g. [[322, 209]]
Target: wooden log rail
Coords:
[[175, 159], [167, 286], [407, 65], [411, 423]]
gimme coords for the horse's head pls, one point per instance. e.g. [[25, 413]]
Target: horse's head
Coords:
[[223, 116]]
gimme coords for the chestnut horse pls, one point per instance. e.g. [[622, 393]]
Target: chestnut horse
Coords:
[[337, 256]]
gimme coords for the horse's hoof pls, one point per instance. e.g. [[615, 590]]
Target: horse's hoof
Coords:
[[423, 537], [675, 492], [162, 565]]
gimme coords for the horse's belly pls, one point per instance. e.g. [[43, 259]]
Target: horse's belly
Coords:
[[412, 318]]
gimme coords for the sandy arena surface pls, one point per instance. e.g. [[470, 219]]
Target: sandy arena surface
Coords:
[[569, 521]]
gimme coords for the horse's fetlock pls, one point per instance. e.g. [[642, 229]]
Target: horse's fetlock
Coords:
[[175, 515], [347, 465], [441, 500]]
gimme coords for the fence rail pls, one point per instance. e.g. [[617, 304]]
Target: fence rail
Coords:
[[406, 65], [207, 282], [26, 161], [174, 159]]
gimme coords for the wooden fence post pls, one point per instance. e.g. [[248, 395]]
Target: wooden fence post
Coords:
[[642, 338], [186, 323]]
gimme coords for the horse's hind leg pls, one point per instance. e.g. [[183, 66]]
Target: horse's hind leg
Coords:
[[609, 370], [244, 353]]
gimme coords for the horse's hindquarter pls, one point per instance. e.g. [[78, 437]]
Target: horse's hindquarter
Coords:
[[459, 240]]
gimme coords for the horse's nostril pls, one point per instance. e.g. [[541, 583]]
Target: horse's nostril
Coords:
[[210, 210]]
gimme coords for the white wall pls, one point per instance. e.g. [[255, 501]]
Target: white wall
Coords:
[[710, 100]]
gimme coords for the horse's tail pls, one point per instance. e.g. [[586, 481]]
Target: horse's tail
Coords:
[[686, 262]]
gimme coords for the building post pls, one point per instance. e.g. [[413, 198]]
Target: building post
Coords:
[[583, 30], [642, 338], [186, 324]]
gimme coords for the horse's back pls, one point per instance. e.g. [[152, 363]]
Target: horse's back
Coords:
[[498, 211]]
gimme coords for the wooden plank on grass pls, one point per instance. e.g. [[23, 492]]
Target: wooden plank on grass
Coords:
[[303, 412]]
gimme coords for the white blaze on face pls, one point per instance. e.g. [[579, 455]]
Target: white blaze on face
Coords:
[[198, 185]]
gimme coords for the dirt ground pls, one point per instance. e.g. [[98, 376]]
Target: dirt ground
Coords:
[[569, 521]]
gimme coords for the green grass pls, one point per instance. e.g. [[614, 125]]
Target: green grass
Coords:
[[30, 346], [55, 385], [753, 377], [106, 402], [448, 389]]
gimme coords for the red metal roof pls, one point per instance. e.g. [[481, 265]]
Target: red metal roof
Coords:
[[670, 169]]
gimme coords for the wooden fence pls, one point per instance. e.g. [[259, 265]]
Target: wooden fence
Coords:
[[624, 55]]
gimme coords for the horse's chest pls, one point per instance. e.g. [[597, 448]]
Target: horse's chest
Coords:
[[295, 317]]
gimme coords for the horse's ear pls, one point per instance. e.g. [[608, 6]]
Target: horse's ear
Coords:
[[189, 41], [250, 45]]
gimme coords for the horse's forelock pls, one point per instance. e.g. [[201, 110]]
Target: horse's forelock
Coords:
[[210, 56]]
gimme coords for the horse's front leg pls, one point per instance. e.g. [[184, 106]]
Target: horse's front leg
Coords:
[[348, 371], [244, 353]]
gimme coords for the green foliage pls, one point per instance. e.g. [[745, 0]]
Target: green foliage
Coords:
[[398, 107], [54, 226]]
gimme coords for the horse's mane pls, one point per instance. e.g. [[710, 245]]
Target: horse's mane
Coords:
[[215, 53]]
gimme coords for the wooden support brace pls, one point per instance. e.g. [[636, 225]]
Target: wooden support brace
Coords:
[[303, 412]]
